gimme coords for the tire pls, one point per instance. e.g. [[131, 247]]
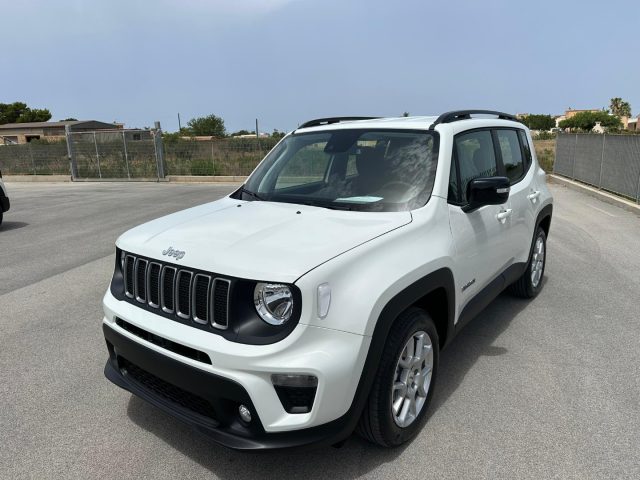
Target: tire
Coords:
[[1, 215], [379, 423], [527, 286]]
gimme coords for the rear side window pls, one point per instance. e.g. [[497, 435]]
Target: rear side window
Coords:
[[511, 154], [476, 158], [526, 149]]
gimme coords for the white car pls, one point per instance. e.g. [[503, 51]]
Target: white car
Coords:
[[5, 204], [315, 300]]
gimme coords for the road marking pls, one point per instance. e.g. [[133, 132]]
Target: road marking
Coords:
[[603, 211]]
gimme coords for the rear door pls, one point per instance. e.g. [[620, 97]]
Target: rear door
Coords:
[[480, 236]]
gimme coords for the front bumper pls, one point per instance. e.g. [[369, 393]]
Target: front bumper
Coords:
[[224, 395], [239, 374]]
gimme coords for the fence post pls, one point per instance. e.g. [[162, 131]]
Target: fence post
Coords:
[[573, 167], [95, 142], [157, 139], [126, 154], [604, 136], [70, 153]]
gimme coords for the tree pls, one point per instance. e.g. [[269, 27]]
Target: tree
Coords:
[[277, 134], [405, 114], [619, 107], [70, 119], [19, 112], [243, 132], [587, 120], [34, 115], [539, 122], [209, 125]]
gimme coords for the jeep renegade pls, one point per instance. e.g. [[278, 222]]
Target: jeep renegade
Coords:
[[315, 299]]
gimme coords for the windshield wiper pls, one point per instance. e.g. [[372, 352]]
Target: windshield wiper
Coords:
[[251, 194]]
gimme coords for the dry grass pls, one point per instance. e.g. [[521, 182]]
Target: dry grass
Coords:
[[546, 153]]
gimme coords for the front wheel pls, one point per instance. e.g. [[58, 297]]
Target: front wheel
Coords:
[[530, 284], [400, 396]]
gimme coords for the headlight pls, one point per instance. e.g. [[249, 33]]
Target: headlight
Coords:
[[274, 302]]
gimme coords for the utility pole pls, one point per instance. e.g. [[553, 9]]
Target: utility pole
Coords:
[[179, 124], [257, 135]]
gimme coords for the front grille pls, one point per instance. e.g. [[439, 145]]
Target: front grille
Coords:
[[166, 390], [179, 292]]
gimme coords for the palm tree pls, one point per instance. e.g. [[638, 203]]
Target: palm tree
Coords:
[[620, 108]]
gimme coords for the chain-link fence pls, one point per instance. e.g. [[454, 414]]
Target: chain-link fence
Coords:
[[35, 159], [610, 162], [134, 154], [114, 154], [233, 156]]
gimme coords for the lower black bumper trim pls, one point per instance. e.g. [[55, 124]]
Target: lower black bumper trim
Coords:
[[224, 395]]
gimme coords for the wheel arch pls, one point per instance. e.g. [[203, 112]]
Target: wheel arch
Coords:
[[437, 286]]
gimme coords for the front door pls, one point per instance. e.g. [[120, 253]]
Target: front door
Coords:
[[481, 236]]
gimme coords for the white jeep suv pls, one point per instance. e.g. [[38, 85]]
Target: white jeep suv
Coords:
[[314, 300]]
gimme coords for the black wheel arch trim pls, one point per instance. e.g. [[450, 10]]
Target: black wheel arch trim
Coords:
[[545, 212]]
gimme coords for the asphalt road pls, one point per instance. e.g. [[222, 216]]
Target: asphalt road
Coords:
[[542, 389]]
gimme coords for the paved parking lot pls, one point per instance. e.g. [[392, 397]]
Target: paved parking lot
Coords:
[[541, 389]]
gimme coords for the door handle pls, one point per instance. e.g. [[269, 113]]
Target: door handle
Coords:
[[504, 214], [533, 196]]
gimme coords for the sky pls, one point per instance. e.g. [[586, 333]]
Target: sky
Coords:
[[287, 61]]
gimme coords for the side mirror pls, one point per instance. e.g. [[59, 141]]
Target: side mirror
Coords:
[[487, 191]]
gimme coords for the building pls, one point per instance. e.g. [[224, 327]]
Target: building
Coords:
[[19, 133], [570, 112], [633, 124]]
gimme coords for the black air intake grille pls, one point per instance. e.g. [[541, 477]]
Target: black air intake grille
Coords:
[[221, 303], [154, 284], [172, 346], [141, 280], [167, 391], [168, 282]]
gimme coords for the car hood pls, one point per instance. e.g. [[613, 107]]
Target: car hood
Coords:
[[258, 240]]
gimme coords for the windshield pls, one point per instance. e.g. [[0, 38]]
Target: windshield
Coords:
[[375, 170]]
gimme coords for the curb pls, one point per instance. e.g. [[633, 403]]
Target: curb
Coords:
[[605, 196], [169, 179], [36, 178], [206, 179]]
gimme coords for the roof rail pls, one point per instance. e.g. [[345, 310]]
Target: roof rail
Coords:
[[328, 121], [456, 115]]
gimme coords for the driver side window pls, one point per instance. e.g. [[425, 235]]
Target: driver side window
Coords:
[[476, 158]]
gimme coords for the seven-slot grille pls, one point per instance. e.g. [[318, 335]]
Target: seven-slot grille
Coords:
[[178, 291]]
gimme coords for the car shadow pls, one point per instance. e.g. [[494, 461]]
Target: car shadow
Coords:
[[6, 225], [356, 457]]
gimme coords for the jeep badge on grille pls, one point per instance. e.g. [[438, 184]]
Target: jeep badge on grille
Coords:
[[178, 254]]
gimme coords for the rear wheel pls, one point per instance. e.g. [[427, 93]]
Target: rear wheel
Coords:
[[530, 284], [400, 397]]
